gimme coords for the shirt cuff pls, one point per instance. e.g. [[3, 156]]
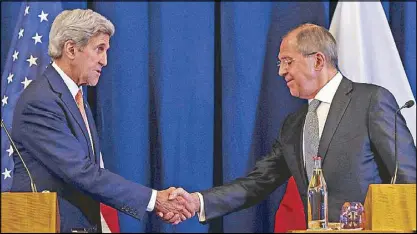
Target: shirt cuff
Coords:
[[151, 204], [201, 214]]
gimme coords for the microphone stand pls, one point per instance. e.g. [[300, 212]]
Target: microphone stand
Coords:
[[408, 104]]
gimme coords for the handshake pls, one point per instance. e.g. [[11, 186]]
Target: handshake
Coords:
[[175, 205]]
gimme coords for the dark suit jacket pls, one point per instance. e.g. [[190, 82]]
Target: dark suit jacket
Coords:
[[357, 147], [52, 138]]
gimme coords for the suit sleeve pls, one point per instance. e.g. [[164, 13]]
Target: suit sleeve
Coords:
[[267, 175], [381, 126], [45, 132]]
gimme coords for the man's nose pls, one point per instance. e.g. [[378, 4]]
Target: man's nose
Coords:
[[282, 71], [103, 60]]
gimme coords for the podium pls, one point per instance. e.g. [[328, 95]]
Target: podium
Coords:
[[29, 212], [390, 207]]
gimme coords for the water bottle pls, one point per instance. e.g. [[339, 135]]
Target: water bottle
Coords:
[[317, 198]]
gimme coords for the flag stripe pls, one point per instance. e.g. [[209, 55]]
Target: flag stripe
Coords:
[[109, 215], [110, 220]]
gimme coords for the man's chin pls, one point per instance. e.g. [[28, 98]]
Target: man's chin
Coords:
[[294, 93], [92, 82]]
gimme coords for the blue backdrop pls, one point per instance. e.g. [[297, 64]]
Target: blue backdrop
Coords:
[[191, 95]]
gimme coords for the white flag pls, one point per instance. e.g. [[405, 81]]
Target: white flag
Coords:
[[367, 52]]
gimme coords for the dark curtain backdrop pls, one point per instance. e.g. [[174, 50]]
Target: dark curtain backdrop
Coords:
[[191, 95]]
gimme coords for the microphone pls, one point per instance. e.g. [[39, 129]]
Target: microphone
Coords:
[[408, 104], [32, 184]]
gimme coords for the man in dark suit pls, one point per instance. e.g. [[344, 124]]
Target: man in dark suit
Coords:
[[55, 132], [355, 135]]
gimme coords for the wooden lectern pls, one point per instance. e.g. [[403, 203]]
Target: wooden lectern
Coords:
[[390, 207], [29, 212]]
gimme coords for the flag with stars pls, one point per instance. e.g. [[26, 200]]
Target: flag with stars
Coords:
[[27, 59]]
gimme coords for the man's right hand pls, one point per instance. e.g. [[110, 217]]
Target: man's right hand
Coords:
[[191, 203], [173, 210], [192, 199]]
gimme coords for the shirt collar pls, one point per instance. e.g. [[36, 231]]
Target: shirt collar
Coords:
[[328, 91], [72, 86]]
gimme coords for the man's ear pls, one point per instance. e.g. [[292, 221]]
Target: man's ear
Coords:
[[69, 49], [320, 60]]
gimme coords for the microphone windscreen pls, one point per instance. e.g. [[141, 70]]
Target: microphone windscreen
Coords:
[[409, 104]]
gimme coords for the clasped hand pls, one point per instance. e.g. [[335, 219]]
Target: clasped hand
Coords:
[[175, 205]]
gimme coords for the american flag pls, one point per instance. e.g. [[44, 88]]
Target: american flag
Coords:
[[27, 59]]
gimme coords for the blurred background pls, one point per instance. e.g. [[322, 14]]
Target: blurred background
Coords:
[[190, 96]]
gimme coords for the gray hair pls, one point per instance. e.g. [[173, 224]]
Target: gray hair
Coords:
[[77, 25], [314, 38]]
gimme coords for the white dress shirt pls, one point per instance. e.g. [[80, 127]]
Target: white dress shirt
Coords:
[[325, 95], [73, 88]]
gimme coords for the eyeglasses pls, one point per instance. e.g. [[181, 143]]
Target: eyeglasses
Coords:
[[288, 62], [285, 62]]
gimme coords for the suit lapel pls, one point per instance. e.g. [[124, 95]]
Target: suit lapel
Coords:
[[300, 147], [297, 142], [337, 109], [58, 86], [93, 131]]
